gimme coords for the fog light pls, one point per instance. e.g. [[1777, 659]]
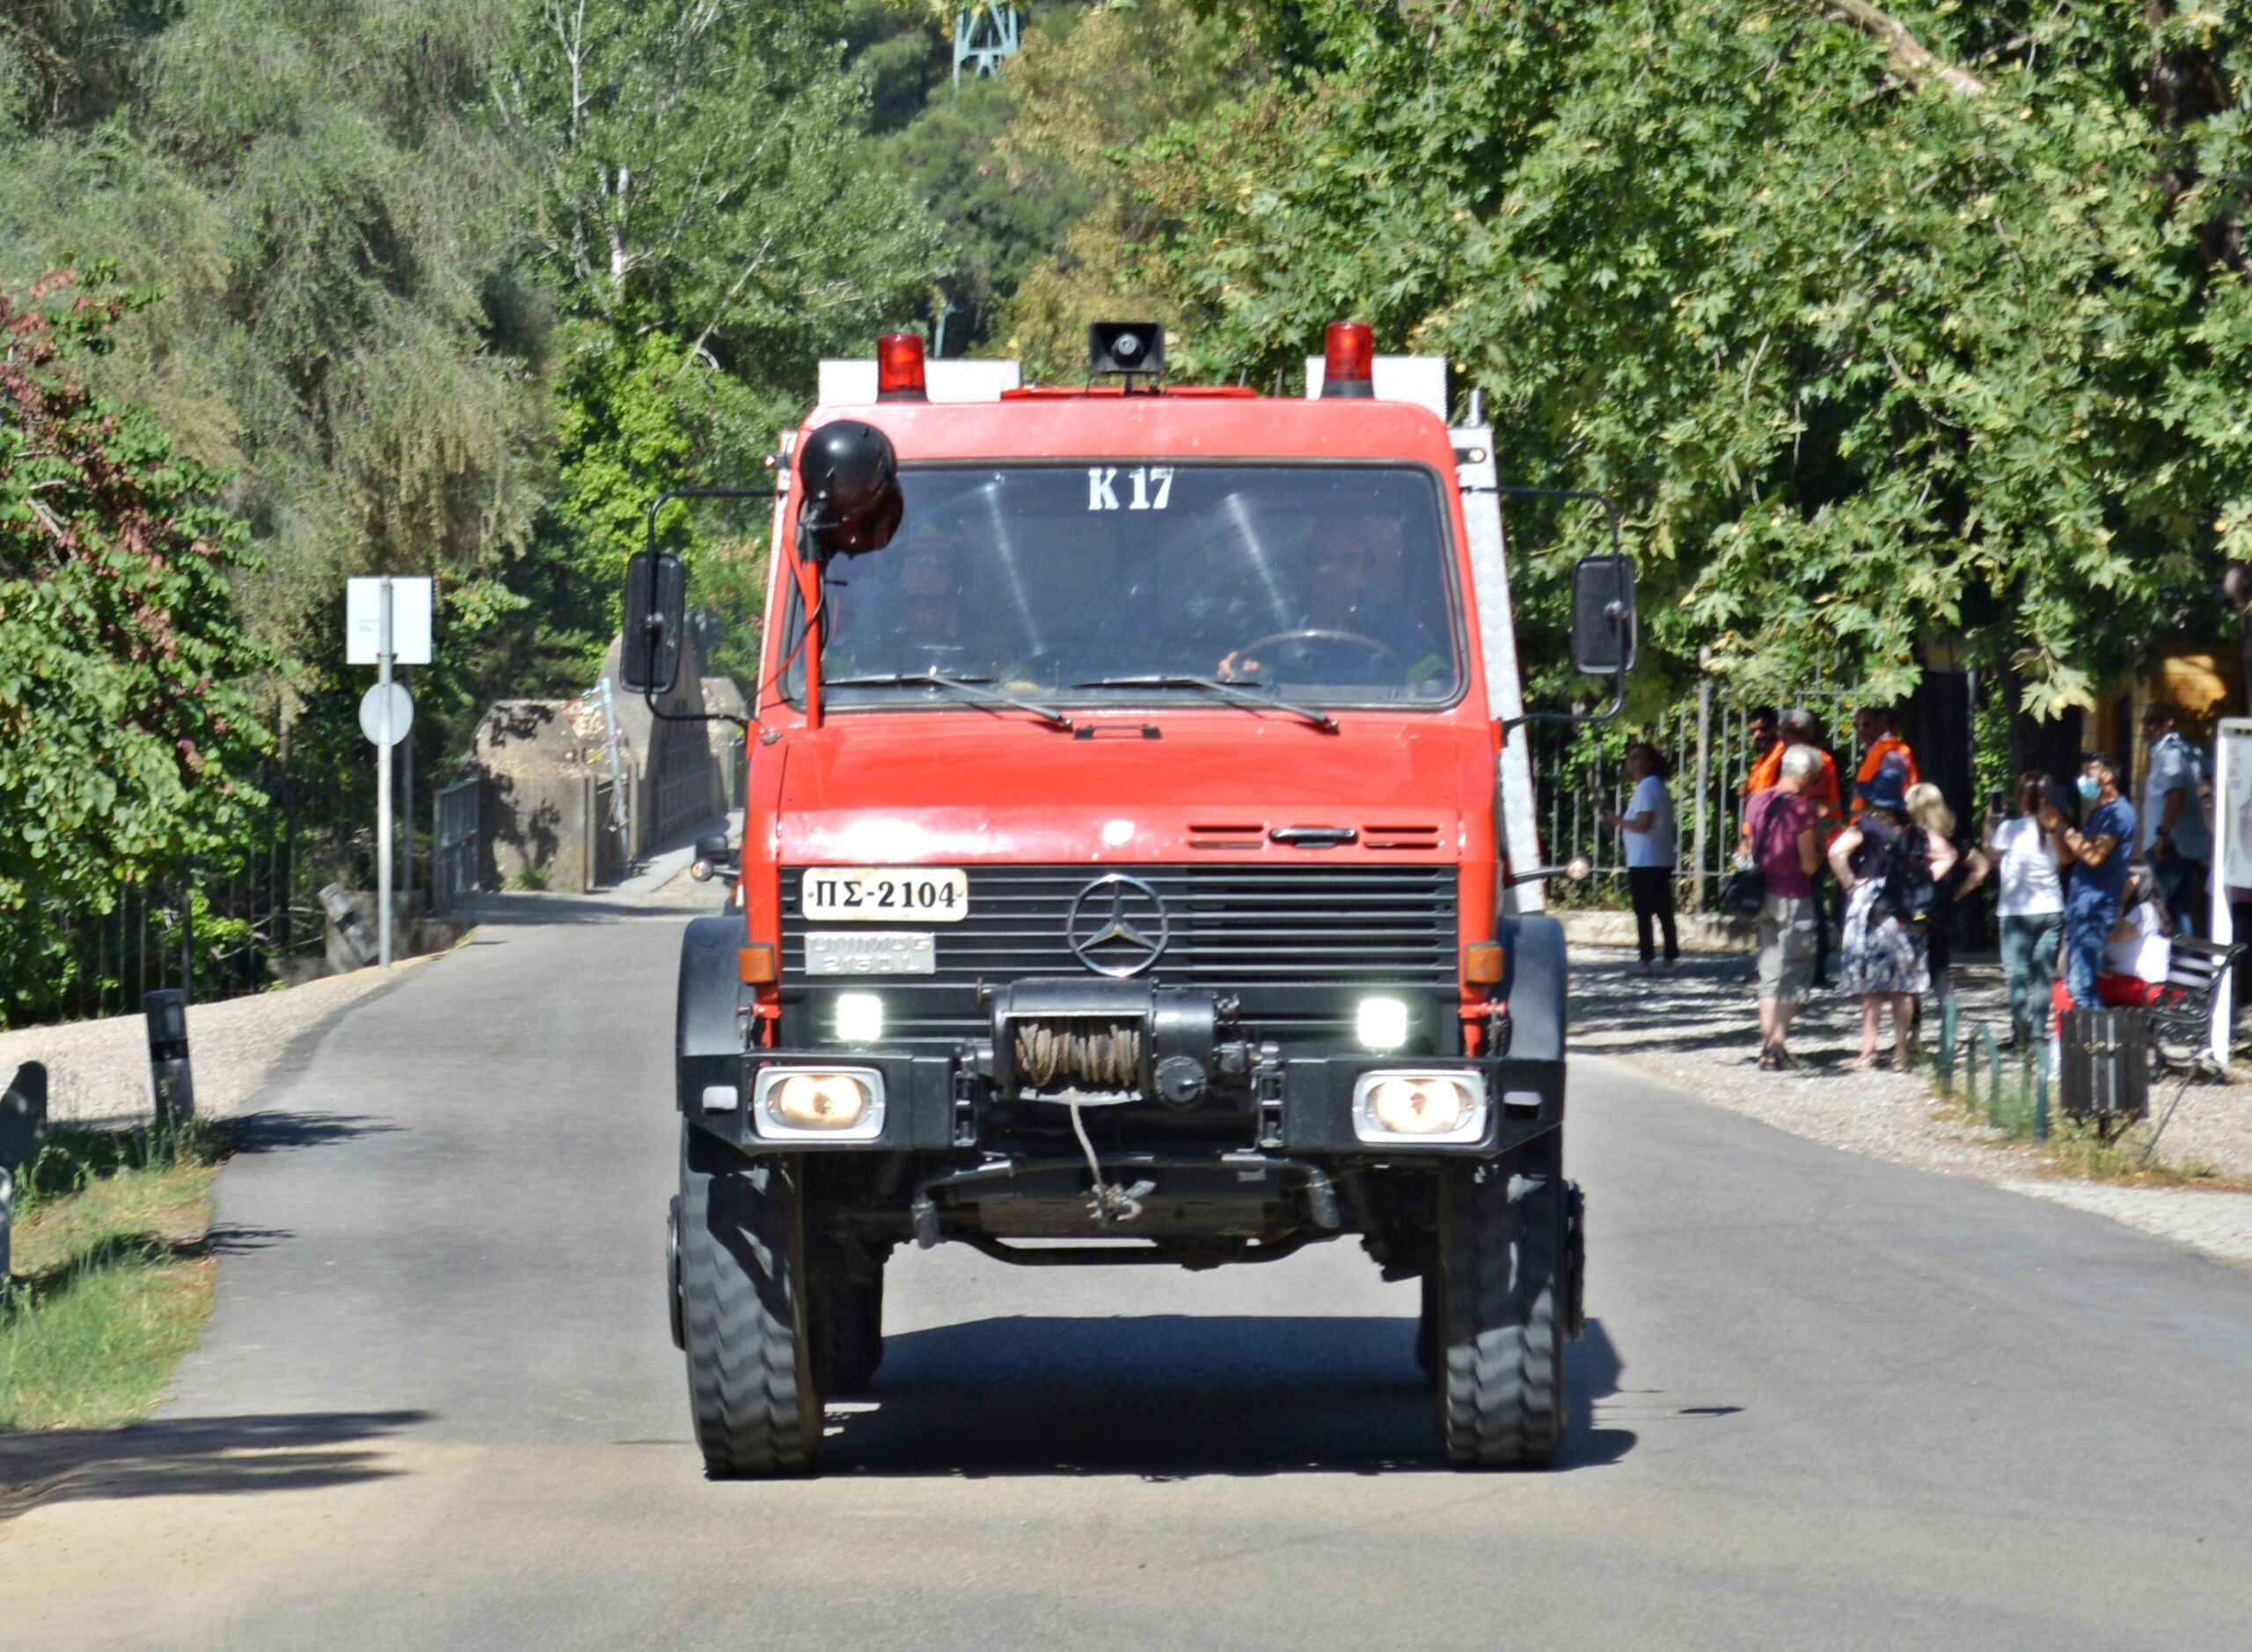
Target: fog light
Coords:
[[817, 1104], [1424, 1106], [1383, 1023], [819, 1101], [860, 1017], [1418, 1107]]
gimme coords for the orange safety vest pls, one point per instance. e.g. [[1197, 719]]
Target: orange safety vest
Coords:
[[1873, 759], [1767, 770]]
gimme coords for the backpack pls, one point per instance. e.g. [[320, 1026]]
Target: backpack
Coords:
[[1907, 893]]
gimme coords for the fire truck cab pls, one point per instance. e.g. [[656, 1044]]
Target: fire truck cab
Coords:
[[1137, 866]]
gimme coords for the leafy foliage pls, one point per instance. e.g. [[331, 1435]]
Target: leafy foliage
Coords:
[[1878, 348], [125, 732]]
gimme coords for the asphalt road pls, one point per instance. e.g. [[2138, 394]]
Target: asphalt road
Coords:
[[1825, 1402]]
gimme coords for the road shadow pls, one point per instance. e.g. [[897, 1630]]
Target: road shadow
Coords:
[[188, 1456], [1174, 1397], [274, 1132]]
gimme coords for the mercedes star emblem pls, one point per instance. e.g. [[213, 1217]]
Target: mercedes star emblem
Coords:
[[1113, 936]]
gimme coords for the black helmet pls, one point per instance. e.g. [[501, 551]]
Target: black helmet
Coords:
[[851, 477]]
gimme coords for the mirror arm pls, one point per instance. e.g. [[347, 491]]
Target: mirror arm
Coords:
[[1618, 684], [654, 623]]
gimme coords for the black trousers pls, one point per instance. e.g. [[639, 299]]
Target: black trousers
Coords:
[[1651, 889]]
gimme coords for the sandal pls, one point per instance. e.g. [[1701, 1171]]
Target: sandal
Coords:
[[1769, 1061], [1864, 1063]]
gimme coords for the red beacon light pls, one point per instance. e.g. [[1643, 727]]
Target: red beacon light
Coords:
[[1348, 361], [899, 368]]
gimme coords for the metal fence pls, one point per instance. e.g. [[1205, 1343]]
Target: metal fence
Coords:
[[1579, 777], [456, 845], [217, 925]]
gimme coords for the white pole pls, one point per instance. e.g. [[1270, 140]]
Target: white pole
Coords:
[[407, 803], [2225, 850], [383, 781]]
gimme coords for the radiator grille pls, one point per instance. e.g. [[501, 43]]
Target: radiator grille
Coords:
[[1298, 945]]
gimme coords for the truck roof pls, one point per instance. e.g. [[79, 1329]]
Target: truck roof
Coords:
[[1102, 423]]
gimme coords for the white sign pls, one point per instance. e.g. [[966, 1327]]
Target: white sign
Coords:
[[2232, 804], [410, 621], [371, 714]]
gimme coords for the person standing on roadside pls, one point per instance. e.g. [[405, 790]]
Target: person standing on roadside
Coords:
[[1780, 836], [2031, 907], [2098, 850], [1882, 961], [1799, 728], [1645, 831], [1928, 808], [1879, 732], [1766, 751], [2175, 839]]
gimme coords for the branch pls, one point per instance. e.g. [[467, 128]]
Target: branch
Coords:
[[1911, 59], [725, 304]]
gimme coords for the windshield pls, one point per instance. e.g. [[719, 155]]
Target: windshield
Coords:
[[1326, 584]]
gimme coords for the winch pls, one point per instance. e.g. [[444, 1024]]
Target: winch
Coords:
[[1099, 1038]]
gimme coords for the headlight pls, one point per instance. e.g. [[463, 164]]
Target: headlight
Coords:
[[1383, 1023], [830, 1105], [1421, 1106], [860, 1017]]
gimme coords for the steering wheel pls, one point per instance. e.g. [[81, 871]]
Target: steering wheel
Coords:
[[1329, 636]]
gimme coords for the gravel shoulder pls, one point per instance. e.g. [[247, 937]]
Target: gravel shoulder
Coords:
[[1699, 1029], [97, 1072]]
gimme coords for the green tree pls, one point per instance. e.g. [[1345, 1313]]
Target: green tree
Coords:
[[706, 218], [125, 734], [1886, 325]]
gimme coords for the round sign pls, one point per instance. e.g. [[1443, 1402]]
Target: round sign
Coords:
[[371, 711]]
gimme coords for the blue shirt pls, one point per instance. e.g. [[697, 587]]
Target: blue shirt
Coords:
[[2096, 890]]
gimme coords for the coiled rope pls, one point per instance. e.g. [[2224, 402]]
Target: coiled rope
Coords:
[[1106, 1055]]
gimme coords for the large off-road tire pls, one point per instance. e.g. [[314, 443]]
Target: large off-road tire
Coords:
[[752, 1390], [848, 1327], [1427, 1327], [1505, 1305]]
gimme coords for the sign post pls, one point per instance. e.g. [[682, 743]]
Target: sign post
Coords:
[[387, 623], [384, 738]]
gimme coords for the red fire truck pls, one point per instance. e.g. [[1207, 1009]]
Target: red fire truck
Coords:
[[1137, 865]]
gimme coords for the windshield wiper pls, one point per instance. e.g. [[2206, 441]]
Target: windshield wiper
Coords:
[[1234, 693], [975, 687]]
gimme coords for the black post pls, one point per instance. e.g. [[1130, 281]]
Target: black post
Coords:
[[23, 1132], [168, 1070]]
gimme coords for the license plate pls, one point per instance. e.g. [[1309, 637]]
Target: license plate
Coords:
[[868, 954], [884, 895]]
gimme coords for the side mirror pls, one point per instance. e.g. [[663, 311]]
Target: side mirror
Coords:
[[1603, 615], [851, 478], [656, 604]]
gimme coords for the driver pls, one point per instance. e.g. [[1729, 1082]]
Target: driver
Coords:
[[1349, 629]]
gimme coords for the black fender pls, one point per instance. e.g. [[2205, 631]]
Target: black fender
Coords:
[[1533, 984], [708, 1029]]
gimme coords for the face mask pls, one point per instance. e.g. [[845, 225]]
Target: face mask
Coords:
[[2089, 787]]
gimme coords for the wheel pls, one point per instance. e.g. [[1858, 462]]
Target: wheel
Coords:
[[1427, 1327], [1505, 1306], [751, 1392], [848, 1326], [676, 1310]]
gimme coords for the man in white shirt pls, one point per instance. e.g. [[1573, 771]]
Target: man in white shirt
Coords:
[[2175, 835], [1646, 833]]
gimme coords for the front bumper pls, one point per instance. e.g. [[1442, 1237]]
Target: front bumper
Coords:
[[1304, 1105]]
